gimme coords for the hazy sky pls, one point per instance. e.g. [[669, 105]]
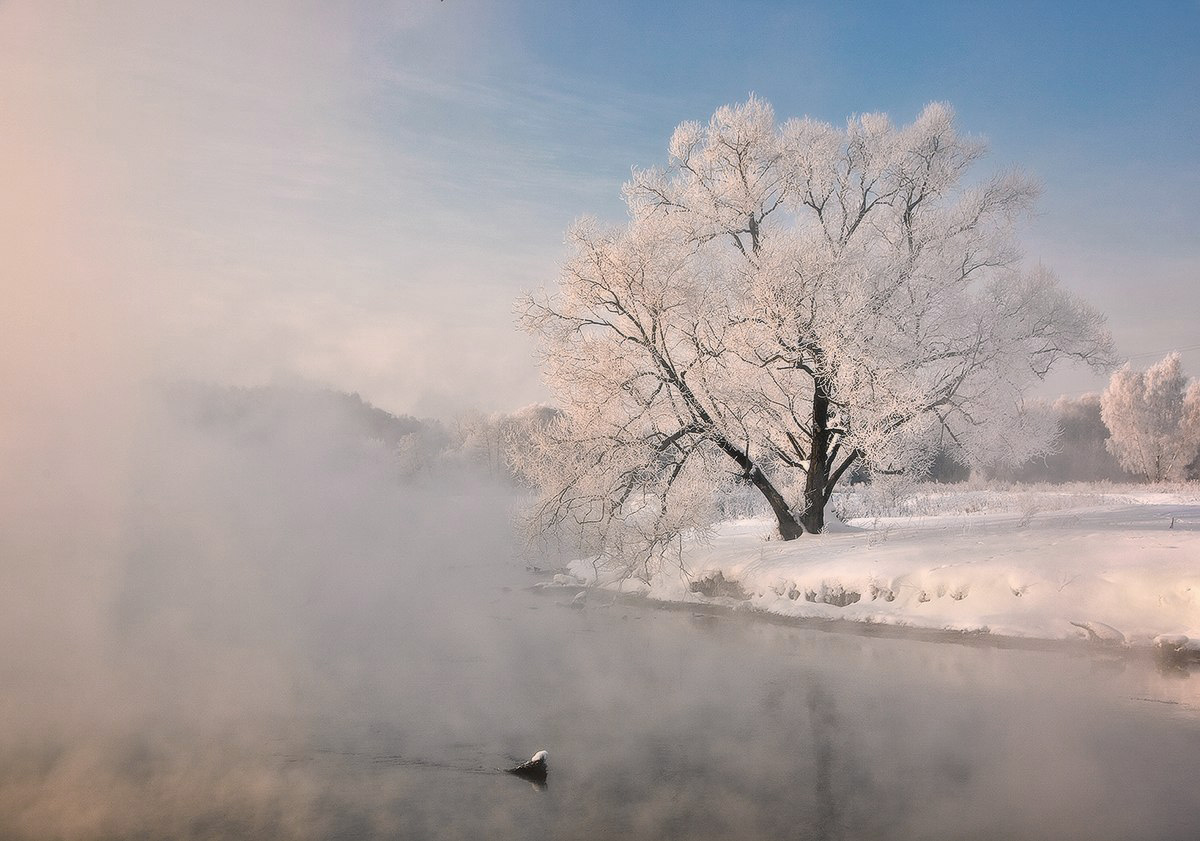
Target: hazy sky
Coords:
[[354, 193]]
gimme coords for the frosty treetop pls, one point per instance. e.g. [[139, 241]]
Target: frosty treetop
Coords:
[[784, 302]]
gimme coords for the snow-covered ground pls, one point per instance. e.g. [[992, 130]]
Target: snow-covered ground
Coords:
[[1106, 566]]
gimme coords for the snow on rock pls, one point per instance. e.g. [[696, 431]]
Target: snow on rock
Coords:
[[534, 768], [1112, 571], [1099, 632], [1172, 640]]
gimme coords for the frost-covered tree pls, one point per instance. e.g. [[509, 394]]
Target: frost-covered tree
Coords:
[[489, 441], [1081, 452], [783, 302], [1153, 418]]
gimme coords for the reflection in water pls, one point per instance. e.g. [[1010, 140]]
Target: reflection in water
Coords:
[[823, 720]]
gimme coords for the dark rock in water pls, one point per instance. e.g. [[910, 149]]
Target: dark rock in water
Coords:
[[535, 769], [1171, 651]]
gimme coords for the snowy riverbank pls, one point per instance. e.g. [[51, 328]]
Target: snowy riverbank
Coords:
[[1110, 567]]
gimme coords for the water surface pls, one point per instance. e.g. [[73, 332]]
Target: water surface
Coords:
[[253, 646], [659, 725]]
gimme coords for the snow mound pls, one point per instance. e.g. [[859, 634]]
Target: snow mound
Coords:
[[1112, 573]]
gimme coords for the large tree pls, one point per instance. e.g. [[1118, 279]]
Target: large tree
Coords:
[[786, 301], [1153, 418]]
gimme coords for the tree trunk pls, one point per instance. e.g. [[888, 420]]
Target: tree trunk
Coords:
[[817, 477], [789, 527]]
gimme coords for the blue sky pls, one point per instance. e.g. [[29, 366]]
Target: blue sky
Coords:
[[354, 194]]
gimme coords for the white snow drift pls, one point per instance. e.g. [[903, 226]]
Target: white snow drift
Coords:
[[1112, 568]]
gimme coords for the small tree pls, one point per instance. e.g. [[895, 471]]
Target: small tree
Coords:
[[1153, 419], [783, 303]]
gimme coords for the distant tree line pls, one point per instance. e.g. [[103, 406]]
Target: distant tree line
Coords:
[[341, 431], [1080, 453], [1145, 426], [1157, 413]]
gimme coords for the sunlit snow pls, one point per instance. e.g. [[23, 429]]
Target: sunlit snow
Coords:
[[1107, 567]]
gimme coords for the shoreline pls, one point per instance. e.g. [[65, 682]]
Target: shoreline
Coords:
[[1111, 574], [1182, 661]]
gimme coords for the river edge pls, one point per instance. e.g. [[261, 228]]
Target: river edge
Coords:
[[1107, 569], [1183, 661]]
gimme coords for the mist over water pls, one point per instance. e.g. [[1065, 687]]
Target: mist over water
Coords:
[[212, 581], [249, 625]]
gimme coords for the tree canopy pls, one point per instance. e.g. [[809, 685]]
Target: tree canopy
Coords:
[[1154, 419], [783, 302]]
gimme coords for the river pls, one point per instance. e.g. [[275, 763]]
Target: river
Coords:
[[341, 665], [659, 724]]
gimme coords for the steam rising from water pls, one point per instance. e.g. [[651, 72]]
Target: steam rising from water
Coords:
[[267, 634], [212, 589]]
